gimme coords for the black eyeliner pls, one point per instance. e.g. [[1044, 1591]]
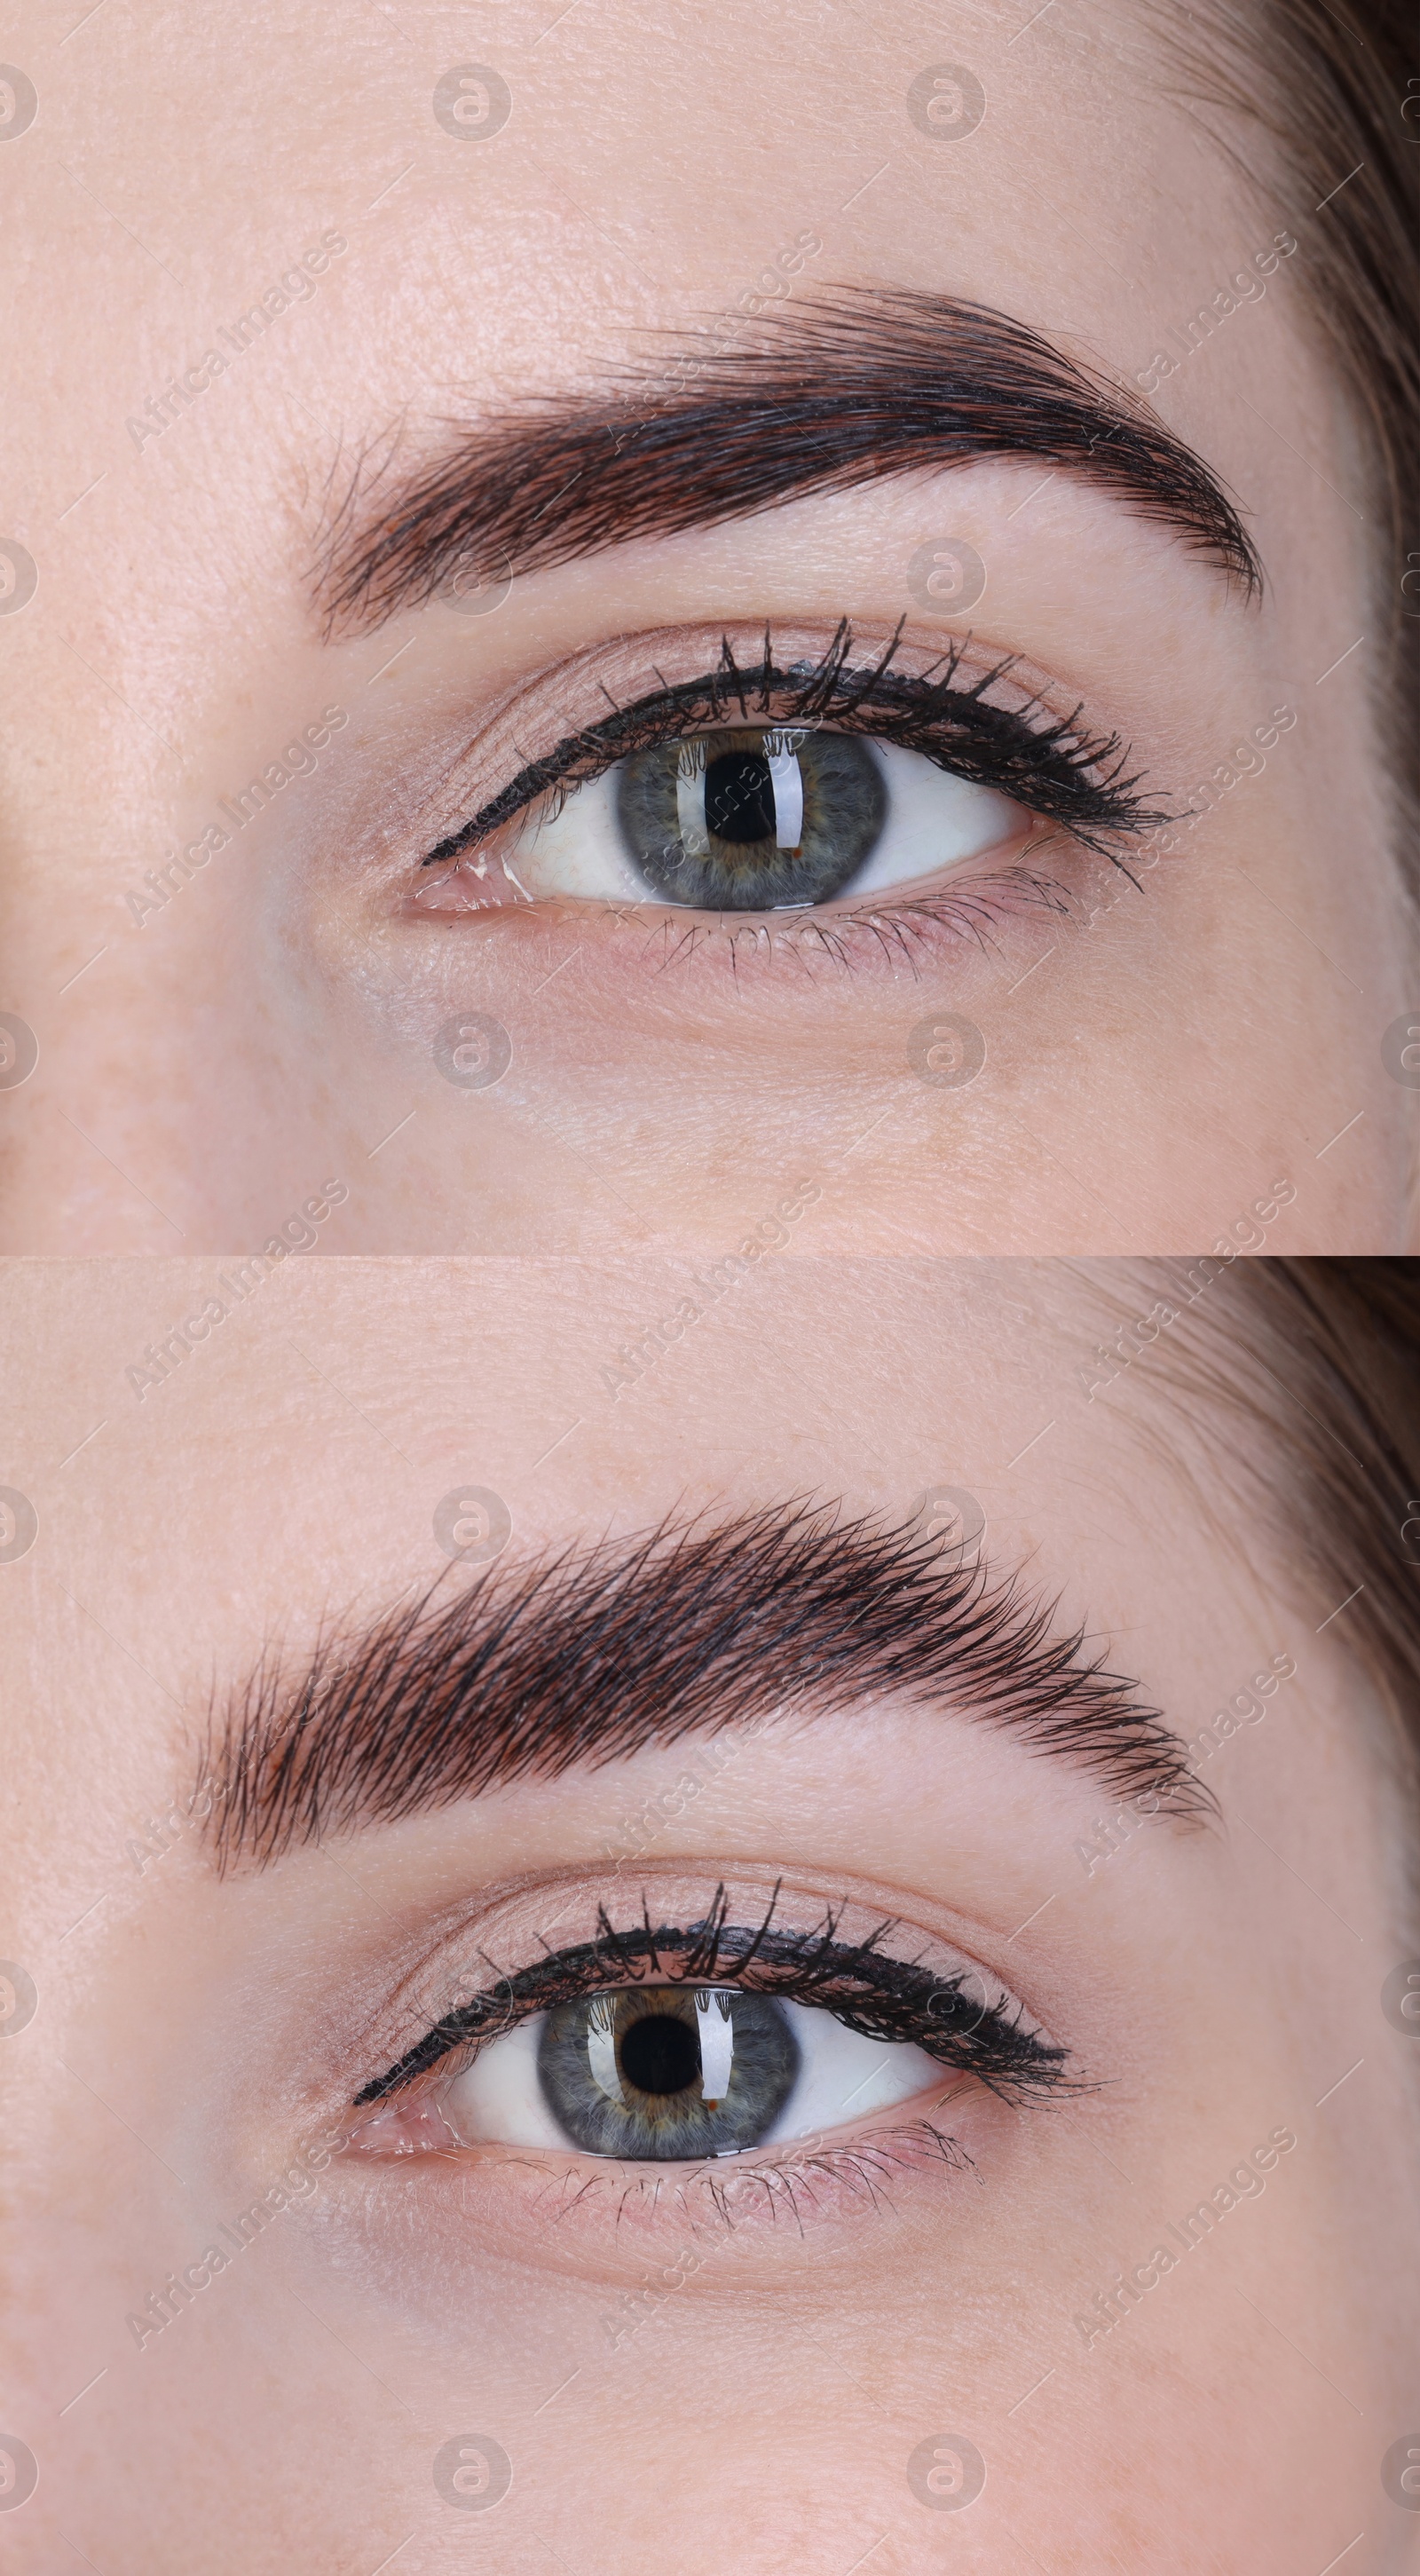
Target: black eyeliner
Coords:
[[863, 1986], [1063, 776]]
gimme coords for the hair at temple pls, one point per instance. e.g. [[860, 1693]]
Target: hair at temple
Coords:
[[592, 1653], [1297, 1383], [1319, 120]]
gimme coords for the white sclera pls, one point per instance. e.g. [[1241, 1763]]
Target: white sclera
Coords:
[[934, 821], [499, 2095], [843, 2078]]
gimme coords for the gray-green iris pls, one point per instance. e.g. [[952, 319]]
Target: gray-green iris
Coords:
[[668, 2073], [751, 820]]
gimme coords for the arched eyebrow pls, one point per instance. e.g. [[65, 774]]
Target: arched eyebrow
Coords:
[[590, 1654], [844, 390]]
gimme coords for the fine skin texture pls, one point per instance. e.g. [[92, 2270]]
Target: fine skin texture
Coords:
[[1161, 1055], [744, 2384]]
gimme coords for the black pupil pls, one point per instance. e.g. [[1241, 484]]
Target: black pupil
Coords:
[[660, 2054], [739, 797]]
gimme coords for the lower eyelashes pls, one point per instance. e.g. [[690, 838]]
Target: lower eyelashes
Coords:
[[931, 925]]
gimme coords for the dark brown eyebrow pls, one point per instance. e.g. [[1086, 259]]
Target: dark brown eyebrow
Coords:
[[863, 383], [593, 1653]]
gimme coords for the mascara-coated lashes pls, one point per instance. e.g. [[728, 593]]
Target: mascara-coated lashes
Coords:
[[863, 1985], [1059, 773]]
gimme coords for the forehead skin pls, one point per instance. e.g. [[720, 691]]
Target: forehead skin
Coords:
[[316, 1430], [293, 1465], [650, 168]]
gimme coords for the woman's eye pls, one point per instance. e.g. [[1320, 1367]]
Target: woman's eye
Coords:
[[673, 2074], [759, 819]]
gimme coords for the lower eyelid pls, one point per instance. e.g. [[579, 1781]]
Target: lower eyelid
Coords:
[[925, 923]]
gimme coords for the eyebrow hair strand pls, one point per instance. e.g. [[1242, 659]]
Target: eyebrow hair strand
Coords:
[[593, 1653], [842, 390]]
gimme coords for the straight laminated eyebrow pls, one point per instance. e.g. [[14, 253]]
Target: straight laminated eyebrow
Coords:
[[588, 1654], [844, 390]]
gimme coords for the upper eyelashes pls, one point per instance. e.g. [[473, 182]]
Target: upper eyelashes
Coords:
[[864, 1986], [1058, 772]]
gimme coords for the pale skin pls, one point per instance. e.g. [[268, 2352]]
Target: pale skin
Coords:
[[1157, 1056], [673, 2389]]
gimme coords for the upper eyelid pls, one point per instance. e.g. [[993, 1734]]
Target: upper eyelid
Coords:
[[594, 741], [995, 2018], [1117, 808]]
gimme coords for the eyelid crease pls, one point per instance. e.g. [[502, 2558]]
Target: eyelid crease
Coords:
[[1062, 775], [866, 1988]]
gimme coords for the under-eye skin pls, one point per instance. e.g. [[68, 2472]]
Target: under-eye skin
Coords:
[[667, 2043], [769, 790]]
